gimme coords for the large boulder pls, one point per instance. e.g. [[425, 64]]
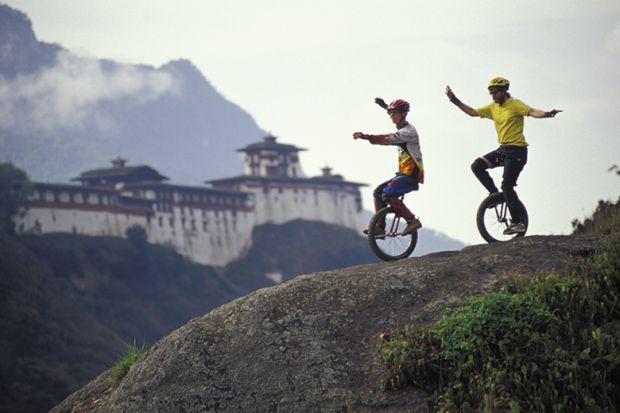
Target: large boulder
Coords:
[[311, 344]]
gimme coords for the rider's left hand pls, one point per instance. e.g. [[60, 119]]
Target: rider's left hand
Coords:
[[381, 102]]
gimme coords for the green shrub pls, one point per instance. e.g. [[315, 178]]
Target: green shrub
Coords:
[[121, 368], [605, 220], [551, 343], [137, 236], [15, 186]]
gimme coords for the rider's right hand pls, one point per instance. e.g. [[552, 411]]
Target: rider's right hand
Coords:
[[452, 96], [449, 93], [381, 103], [358, 135]]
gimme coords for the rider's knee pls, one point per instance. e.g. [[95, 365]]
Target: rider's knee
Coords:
[[378, 192], [386, 198], [508, 187], [478, 165]]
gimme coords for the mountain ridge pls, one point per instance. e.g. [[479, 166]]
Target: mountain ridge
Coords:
[[21, 52], [63, 113]]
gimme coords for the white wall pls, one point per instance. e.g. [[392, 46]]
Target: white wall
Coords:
[[283, 204], [214, 235], [215, 239]]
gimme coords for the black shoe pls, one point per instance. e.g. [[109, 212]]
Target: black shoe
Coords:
[[515, 228], [379, 232]]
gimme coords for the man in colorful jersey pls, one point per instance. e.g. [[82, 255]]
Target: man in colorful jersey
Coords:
[[410, 169], [508, 114]]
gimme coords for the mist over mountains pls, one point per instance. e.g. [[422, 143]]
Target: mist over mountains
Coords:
[[61, 113]]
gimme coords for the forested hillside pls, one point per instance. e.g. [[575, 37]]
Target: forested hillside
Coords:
[[70, 304]]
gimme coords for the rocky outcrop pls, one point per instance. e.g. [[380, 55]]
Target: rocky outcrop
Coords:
[[312, 344]]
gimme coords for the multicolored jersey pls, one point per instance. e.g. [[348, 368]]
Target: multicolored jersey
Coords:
[[409, 153], [508, 119]]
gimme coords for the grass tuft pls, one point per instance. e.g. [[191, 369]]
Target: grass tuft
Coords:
[[121, 368]]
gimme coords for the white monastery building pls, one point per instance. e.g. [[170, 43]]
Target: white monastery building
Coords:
[[209, 224]]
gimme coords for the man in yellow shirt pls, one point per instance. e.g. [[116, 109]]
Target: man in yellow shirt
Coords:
[[507, 113]]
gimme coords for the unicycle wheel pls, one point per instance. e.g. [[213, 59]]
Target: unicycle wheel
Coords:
[[493, 218], [390, 245]]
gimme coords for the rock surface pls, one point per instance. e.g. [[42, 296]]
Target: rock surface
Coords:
[[311, 345]]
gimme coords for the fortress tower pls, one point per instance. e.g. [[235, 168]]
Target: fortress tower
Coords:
[[270, 159], [282, 192]]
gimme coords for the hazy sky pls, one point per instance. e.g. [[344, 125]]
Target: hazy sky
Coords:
[[308, 72]]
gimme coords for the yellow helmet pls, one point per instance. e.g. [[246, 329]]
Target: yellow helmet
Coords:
[[499, 82]]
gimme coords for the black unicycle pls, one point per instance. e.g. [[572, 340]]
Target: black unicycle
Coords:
[[390, 244], [493, 218]]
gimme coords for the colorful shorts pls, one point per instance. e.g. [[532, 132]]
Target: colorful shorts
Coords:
[[397, 186]]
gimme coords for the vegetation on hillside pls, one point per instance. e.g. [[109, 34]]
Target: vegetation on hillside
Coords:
[[68, 304], [605, 219], [551, 343], [298, 247]]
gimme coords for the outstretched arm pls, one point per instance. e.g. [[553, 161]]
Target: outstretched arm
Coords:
[[467, 109], [537, 113]]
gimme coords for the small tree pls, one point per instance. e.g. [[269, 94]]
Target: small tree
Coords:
[[14, 189], [605, 219], [137, 236]]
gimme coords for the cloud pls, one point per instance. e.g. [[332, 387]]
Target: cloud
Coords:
[[67, 95]]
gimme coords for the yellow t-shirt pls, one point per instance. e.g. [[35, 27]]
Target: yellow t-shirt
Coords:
[[508, 119]]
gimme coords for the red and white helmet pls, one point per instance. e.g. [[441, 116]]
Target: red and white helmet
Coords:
[[399, 105]]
